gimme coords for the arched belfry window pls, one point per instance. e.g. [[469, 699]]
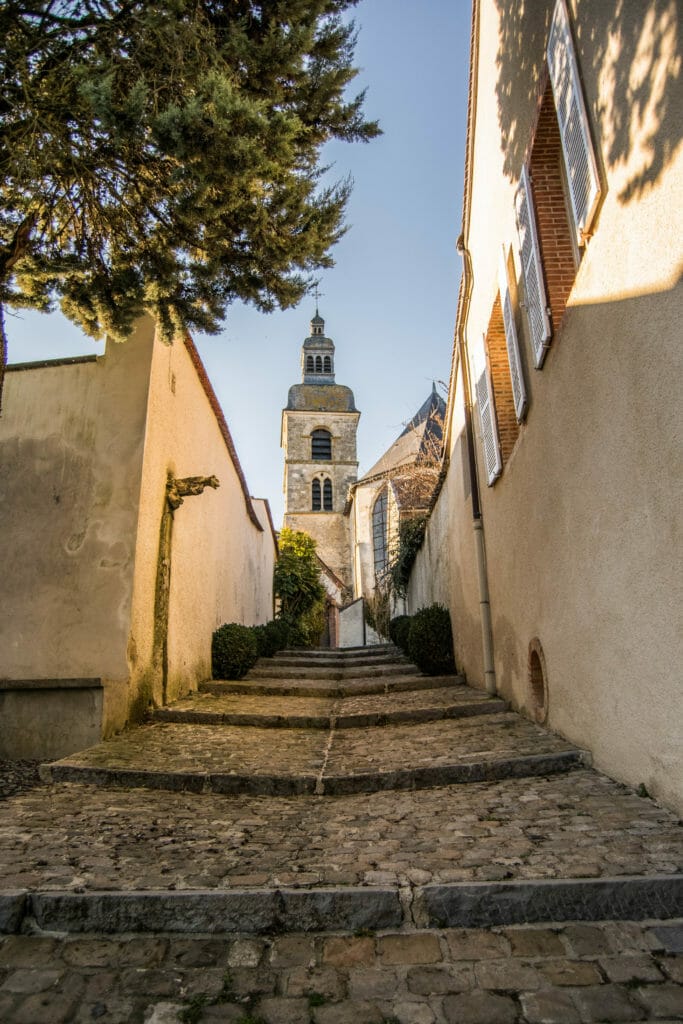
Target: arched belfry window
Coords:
[[318, 364], [310, 366], [327, 495], [315, 495], [328, 364], [379, 532], [321, 445]]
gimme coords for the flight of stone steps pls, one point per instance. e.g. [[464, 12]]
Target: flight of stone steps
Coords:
[[327, 723], [333, 792]]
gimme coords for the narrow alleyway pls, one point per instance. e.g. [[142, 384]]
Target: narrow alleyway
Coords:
[[337, 838]]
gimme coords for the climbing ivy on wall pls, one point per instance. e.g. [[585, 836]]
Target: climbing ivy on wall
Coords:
[[411, 534]]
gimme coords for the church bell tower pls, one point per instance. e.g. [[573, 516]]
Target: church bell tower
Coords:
[[319, 425]]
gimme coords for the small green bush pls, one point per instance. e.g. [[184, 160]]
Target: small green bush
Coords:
[[399, 628], [233, 651], [271, 637], [430, 641]]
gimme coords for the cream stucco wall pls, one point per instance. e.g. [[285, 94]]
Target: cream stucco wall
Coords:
[[221, 562], [445, 570], [583, 528], [71, 449], [85, 450]]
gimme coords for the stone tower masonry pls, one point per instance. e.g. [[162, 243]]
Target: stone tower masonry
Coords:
[[319, 427]]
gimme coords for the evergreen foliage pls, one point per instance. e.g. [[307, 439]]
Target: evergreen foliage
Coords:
[[271, 637], [165, 156], [233, 651], [399, 628], [296, 583], [296, 580], [430, 640]]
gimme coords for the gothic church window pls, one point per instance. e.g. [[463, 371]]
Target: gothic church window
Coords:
[[321, 445], [379, 532], [315, 496], [327, 495]]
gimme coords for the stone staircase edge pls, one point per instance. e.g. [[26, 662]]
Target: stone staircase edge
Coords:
[[348, 908]]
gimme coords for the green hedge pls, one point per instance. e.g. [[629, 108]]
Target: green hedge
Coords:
[[399, 628], [271, 638], [430, 641], [233, 651]]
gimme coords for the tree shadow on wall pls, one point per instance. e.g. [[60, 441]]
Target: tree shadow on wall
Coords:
[[631, 54]]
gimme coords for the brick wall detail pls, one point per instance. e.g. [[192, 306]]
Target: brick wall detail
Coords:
[[557, 251]]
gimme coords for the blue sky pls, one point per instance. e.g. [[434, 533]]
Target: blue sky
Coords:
[[389, 303]]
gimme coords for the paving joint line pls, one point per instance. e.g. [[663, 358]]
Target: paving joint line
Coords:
[[319, 782]]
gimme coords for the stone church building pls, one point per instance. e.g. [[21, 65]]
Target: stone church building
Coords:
[[355, 522], [319, 427]]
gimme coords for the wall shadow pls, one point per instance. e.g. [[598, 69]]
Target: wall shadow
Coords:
[[635, 64]]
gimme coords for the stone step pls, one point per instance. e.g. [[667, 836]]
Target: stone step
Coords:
[[341, 653], [333, 664], [248, 759], [575, 846], [284, 687], [328, 712], [269, 668], [345, 908]]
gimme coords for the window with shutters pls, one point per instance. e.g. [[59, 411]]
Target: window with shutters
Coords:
[[321, 445], [318, 364], [328, 364], [489, 428], [501, 397], [379, 532], [315, 495], [327, 495], [310, 365], [558, 193]]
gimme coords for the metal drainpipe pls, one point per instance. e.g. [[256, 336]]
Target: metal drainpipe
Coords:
[[477, 518]]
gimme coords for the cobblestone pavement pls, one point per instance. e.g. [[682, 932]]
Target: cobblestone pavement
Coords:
[[316, 712], [564, 826], [17, 777], [307, 760], [566, 974], [73, 843]]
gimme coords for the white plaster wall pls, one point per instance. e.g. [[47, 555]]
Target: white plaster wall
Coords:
[[222, 564], [583, 529]]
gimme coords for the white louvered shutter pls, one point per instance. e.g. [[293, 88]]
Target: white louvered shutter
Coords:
[[579, 157], [534, 288], [489, 428], [512, 342]]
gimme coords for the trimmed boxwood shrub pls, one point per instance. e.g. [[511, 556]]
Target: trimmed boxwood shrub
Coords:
[[399, 627], [233, 651], [430, 641], [271, 637]]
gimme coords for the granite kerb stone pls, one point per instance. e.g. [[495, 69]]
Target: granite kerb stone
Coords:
[[444, 775], [13, 905], [316, 688], [414, 716], [252, 911], [182, 782], [270, 784], [488, 904]]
